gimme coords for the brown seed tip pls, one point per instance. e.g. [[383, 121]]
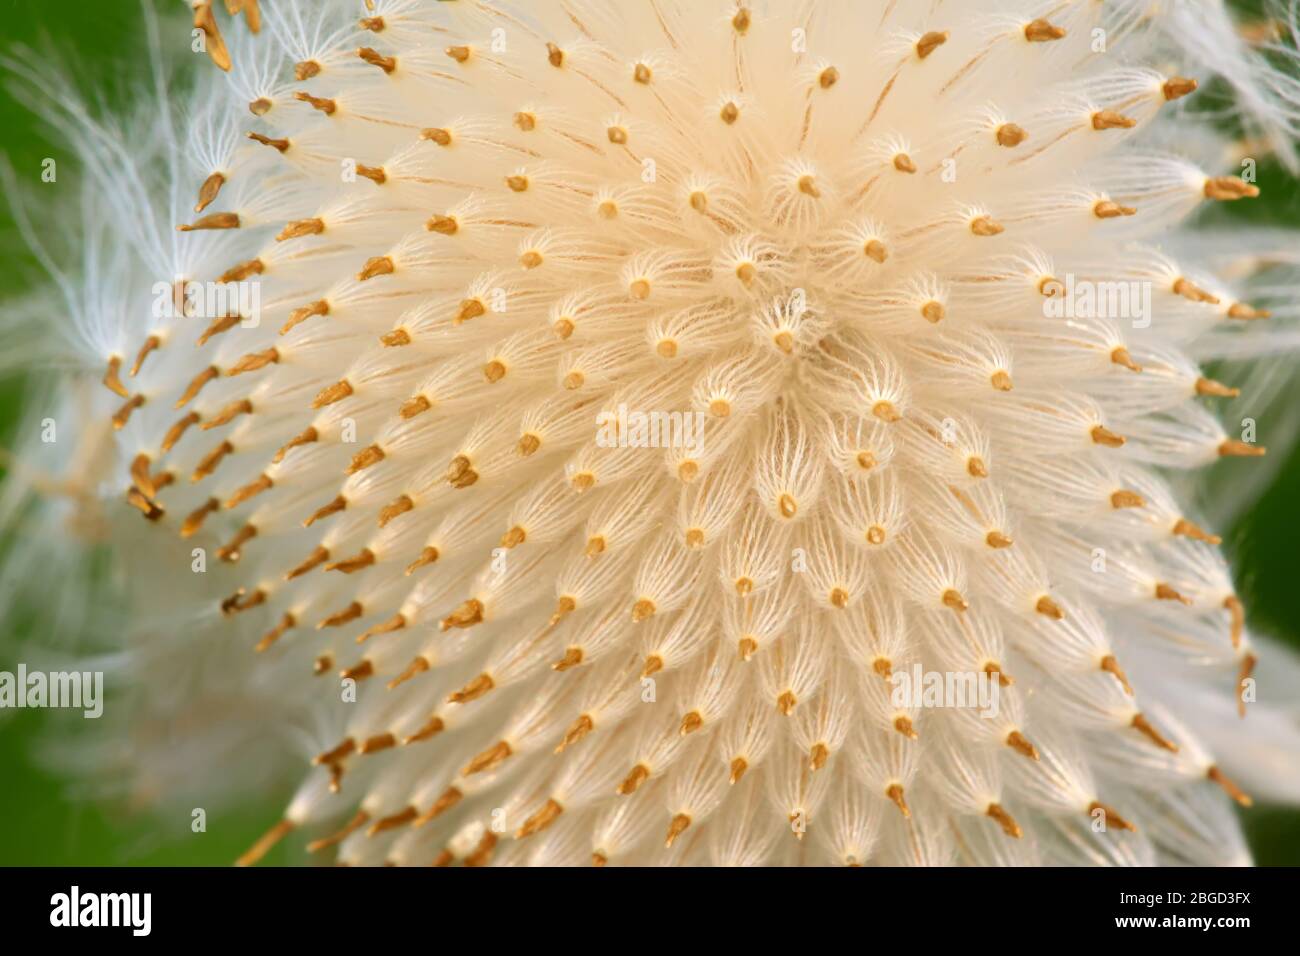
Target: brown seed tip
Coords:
[[1108, 209], [1009, 135], [1126, 499], [217, 220], [952, 598], [332, 393], [895, 793], [1110, 119], [1178, 86], [1041, 31], [1230, 788], [1186, 529], [1208, 386], [208, 191], [376, 266], [265, 842], [1021, 745], [1102, 435], [903, 163], [388, 63], [1231, 448], [282, 145], [1229, 188], [326, 106], [1110, 817], [930, 42], [1110, 665], [1145, 727], [1245, 312], [1008, 823]]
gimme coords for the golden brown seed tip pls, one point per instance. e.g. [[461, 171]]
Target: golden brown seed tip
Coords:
[[1041, 31], [1110, 119], [895, 793], [1231, 448], [1120, 356], [326, 106], [332, 393], [468, 614], [473, 690], [364, 559], [216, 46], [1230, 788], [1166, 592], [1111, 666], [217, 220], [306, 437], [376, 266], [210, 461], [428, 555], [386, 63], [300, 315], [1148, 730], [301, 227], [1021, 745], [265, 843], [930, 42], [1110, 816], [540, 820], [1229, 188], [1049, 609], [334, 507], [1009, 135], [282, 145], [208, 191], [488, 758], [254, 361], [903, 163], [1102, 435], [1008, 823], [1245, 312], [1208, 386], [1126, 499], [353, 611], [196, 517], [1186, 529], [952, 598], [1107, 209], [1178, 86], [315, 559]]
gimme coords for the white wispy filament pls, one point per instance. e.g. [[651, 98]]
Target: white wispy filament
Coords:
[[914, 265]]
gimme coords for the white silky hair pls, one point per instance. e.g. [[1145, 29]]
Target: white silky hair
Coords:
[[829, 227]]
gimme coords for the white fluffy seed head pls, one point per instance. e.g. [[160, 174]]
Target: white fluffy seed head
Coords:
[[624, 397]]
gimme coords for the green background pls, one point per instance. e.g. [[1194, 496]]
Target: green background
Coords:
[[42, 823]]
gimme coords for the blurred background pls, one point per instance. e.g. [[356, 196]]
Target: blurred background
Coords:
[[43, 821]]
